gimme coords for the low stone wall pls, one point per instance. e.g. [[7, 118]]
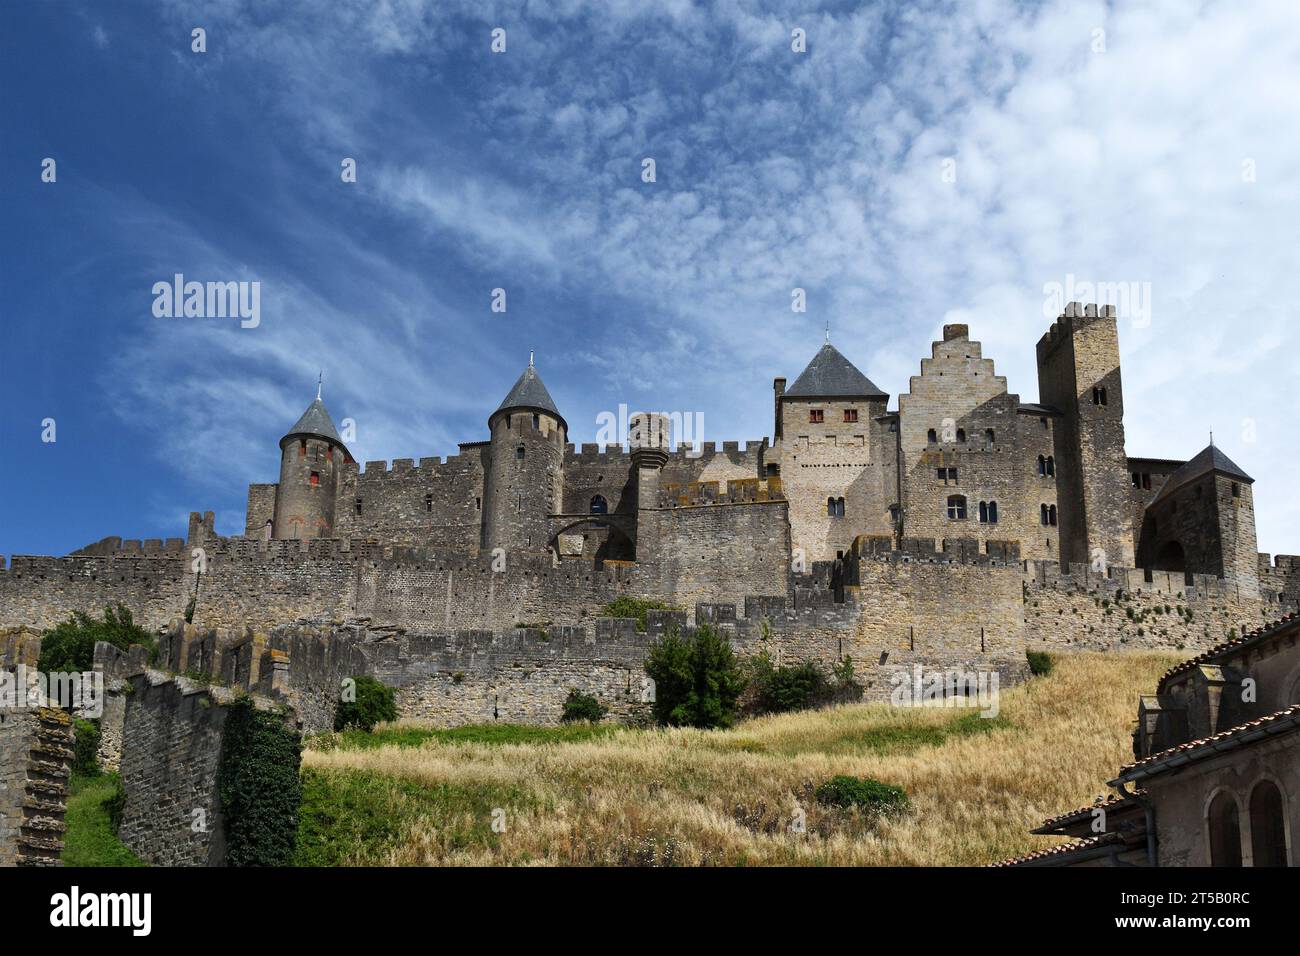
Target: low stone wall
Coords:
[[35, 765]]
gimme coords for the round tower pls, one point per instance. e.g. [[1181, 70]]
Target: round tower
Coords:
[[311, 457], [524, 477]]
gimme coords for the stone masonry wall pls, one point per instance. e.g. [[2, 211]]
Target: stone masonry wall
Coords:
[[171, 754], [35, 765], [1084, 610]]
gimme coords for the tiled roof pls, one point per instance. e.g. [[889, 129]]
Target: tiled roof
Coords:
[[1109, 803], [530, 392], [1236, 643], [1208, 459], [1063, 849], [831, 375], [1279, 722], [315, 421]]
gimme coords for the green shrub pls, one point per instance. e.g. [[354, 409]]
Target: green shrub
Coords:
[[85, 747], [1040, 663], [788, 687], [259, 785], [374, 704], [69, 647], [844, 791], [580, 706], [697, 679], [634, 607]]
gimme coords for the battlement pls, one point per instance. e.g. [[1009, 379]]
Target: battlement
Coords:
[[1075, 317], [1051, 574], [115, 546], [948, 551], [407, 467], [739, 491], [684, 452]]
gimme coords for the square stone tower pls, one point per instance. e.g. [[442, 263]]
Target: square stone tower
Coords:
[[1079, 375]]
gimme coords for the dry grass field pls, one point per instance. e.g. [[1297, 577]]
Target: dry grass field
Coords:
[[688, 797]]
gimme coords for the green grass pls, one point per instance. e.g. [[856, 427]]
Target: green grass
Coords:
[[354, 817], [90, 840], [407, 736], [886, 739]]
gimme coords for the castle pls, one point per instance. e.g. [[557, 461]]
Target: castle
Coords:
[[960, 457], [958, 529]]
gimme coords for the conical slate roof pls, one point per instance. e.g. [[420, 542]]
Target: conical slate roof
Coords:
[[529, 392], [831, 375], [315, 421], [1208, 459]]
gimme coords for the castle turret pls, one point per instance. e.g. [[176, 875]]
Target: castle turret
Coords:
[[524, 477], [1202, 521], [1078, 374], [311, 456]]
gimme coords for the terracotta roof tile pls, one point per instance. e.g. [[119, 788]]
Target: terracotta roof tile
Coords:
[[1229, 645], [1292, 711]]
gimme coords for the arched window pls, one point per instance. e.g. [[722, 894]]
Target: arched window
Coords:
[[988, 512], [599, 505], [1042, 465], [932, 437], [428, 502], [957, 507], [839, 507], [1051, 514], [988, 436], [1267, 825], [993, 512], [1051, 466], [830, 507], [1042, 513], [270, 529], [1225, 831], [1098, 395], [961, 436]]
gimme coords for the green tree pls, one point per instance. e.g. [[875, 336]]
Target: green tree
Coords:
[[697, 679], [580, 706], [69, 647]]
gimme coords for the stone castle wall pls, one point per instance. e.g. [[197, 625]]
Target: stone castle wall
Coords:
[[1129, 608], [35, 765]]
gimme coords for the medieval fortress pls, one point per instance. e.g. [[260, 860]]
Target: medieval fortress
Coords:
[[958, 529]]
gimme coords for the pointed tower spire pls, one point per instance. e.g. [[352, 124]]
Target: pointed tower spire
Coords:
[[530, 358], [828, 331], [319, 378]]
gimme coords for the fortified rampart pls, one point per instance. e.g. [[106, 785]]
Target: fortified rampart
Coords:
[[1083, 609]]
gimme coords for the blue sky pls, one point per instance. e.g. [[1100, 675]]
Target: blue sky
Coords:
[[1116, 157]]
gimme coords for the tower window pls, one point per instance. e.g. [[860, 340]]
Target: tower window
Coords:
[[961, 436], [599, 505], [537, 421], [478, 505], [989, 437], [1043, 422], [816, 415], [1236, 490], [1051, 466], [947, 475], [358, 506], [835, 507], [329, 452], [1051, 515], [1042, 465], [1098, 395], [302, 448], [932, 437], [850, 414], [519, 452], [957, 507], [428, 502], [315, 478], [988, 512]]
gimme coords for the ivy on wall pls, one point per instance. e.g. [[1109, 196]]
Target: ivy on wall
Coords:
[[259, 786]]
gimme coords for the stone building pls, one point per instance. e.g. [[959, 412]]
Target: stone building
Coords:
[[1216, 775]]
